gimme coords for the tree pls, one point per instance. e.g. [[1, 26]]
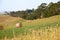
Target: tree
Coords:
[[40, 10], [13, 14], [53, 9], [22, 14]]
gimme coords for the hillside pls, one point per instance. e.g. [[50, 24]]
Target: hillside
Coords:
[[9, 21], [43, 20], [4, 18], [40, 29]]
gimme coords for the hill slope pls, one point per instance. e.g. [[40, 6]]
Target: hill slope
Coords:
[[9, 21], [40, 29]]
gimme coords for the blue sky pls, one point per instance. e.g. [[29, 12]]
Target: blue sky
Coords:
[[15, 5]]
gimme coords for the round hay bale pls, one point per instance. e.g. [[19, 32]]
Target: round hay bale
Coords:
[[1, 27], [18, 25]]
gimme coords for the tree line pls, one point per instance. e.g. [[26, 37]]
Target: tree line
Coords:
[[42, 11]]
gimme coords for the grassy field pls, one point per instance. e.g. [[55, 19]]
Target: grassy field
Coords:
[[40, 29]]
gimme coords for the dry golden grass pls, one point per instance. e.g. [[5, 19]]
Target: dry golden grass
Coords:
[[11, 21], [42, 21], [41, 34], [8, 18], [8, 21]]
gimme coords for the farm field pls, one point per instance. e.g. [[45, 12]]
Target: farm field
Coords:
[[39, 29]]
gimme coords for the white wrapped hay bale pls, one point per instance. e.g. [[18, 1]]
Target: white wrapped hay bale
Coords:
[[18, 25]]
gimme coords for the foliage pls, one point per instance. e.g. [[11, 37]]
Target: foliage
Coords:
[[42, 11]]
